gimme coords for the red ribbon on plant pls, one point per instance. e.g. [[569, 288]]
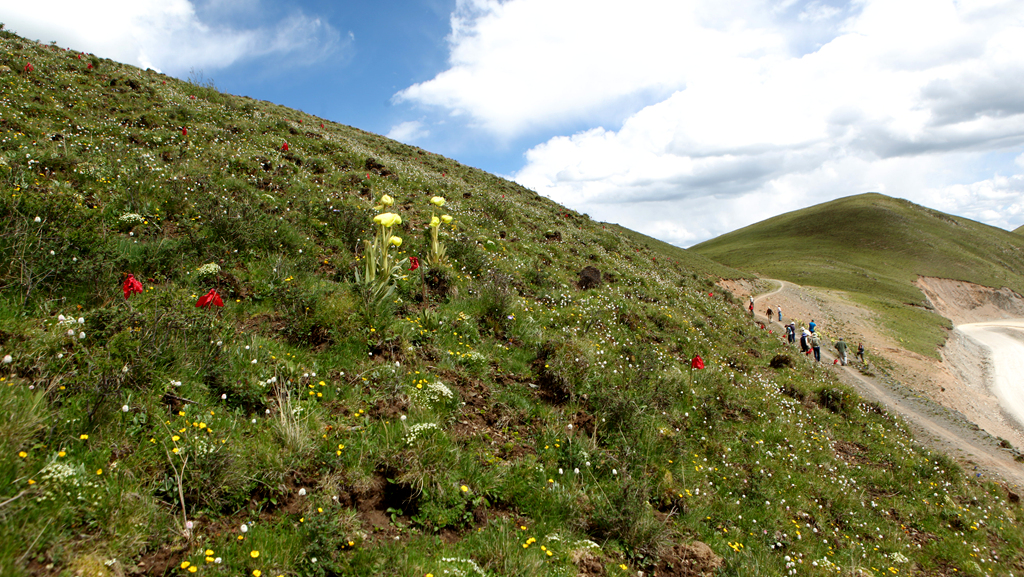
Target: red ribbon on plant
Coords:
[[414, 263], [131, 286], [697, 363], [210, 299]]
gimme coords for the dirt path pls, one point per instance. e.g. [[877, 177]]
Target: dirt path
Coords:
[[933, 425]]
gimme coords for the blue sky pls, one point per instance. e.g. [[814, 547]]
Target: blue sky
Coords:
[[683, 119]]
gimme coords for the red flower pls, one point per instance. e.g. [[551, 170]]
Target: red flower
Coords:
[[184, 131], [321, 125], [284, 147], [209, 299], [29, 67], [131, 285], [414, 263], [89, 67], [697, 363]]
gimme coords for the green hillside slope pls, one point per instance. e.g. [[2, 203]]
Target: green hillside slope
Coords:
[[492, 411], [875, 246]]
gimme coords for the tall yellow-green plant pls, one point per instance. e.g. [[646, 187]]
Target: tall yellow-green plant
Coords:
[[436, 257], [380, 269]]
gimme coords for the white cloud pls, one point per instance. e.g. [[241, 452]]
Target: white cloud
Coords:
[[906, 99], [524, 64], [408, 132], [167, 35]]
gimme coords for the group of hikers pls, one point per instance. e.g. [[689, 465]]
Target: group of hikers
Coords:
[[810, 340]]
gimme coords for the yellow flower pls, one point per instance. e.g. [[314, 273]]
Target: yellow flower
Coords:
[[84, 437], [445, 218], [437, 201], [99, 471], [464, 488], [435, 222], [22, 454], [256, 573], [208, 553], [175, 438], [185, 564], [387, 200], [396, 240], [254, 554], [193, 569]]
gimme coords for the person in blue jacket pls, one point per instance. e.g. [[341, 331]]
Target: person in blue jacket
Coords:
[[812, 325]]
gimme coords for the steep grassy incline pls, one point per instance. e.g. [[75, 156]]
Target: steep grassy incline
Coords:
[[876, 247], [491, 411]]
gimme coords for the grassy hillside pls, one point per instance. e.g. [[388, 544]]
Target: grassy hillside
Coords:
[[875, 247], [487, 413]]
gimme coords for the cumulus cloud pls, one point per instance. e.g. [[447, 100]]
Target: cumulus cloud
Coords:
[[408, 132], [907, 98], [168, 35], [523, 64]]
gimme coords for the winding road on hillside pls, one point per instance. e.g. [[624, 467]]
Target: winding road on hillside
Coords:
[[934, 426]]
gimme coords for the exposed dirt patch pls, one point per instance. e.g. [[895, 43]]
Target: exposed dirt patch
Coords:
[[965, 302], [692, 560], [159, 562]]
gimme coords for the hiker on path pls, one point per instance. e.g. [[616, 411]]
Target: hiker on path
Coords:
[[751, 306], [804, 347], [780, 314], [769, 314], [841, 349], [812, 325], [791, 333], [816, 345], [860, 352]]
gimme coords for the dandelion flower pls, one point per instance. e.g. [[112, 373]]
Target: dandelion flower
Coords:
[[254, 554]]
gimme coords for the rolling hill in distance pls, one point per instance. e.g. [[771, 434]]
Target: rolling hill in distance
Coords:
[[875, 247], [237, 339]]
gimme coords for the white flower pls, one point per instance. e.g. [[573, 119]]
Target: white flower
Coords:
[[125, 409], [402, 418], [218, 560], [569, 426], [254, 361], [61, 318], [614, 472], [219, 343], [37, 219], [559, 470], [244, 528], [71, 332], [188, 524], [8, 359], [52, 253], [302, 492], [576, 471], [81, 335], [81, 320], [223, 396]]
